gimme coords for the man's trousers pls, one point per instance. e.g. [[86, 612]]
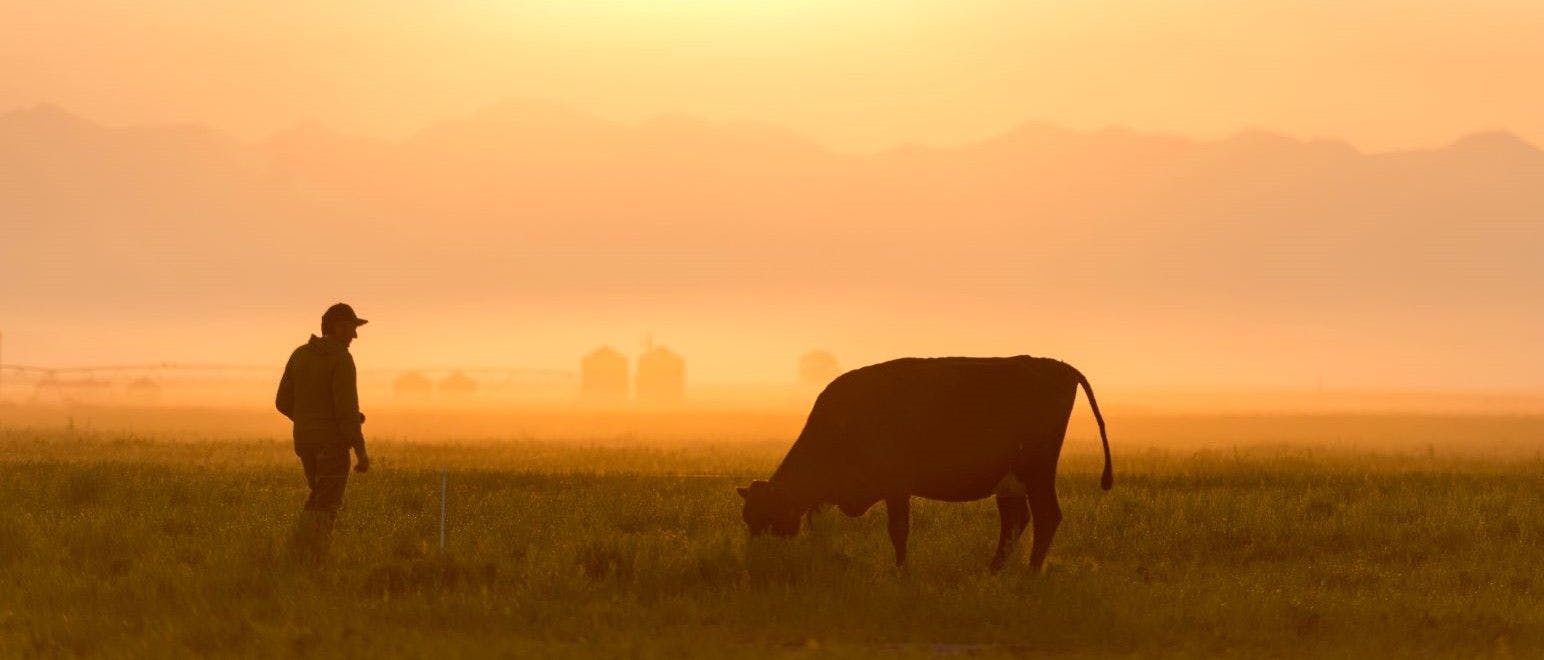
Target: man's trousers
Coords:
[[326, 467]]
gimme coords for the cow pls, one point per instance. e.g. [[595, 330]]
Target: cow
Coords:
[[954, 429]]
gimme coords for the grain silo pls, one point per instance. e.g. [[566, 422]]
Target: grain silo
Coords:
[[412, 385], [661, 377], [603, 376], [818, 368], [458, 384]]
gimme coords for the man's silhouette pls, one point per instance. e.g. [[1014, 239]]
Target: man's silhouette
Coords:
[[319, 393]]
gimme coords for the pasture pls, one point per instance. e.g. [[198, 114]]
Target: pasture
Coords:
[[148, 544]]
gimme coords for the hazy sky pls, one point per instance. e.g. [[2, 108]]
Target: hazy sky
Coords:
[[855, 74]]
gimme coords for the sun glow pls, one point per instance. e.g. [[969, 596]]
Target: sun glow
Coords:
[[682, 11]]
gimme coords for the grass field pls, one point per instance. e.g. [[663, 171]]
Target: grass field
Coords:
[[114, 544]]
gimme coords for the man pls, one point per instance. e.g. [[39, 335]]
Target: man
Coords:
[[319, 393]]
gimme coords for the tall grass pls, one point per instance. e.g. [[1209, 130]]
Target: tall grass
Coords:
[[120, 545]]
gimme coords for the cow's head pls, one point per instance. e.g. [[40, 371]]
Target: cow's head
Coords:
[[766, 508]]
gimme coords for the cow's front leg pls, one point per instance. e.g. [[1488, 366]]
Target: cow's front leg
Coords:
[[898, 510], [1013, 515]]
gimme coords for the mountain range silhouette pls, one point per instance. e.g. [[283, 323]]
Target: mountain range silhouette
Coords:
[[545, 202]]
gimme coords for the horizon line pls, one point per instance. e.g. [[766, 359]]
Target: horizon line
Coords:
[[1246, 131]]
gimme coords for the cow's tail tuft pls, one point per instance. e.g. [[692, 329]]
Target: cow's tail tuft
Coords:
[[1108, 479]]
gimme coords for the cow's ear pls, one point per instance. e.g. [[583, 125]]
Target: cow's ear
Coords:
[[742, 491]]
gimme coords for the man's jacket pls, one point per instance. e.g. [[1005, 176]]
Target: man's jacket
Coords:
[[319, 392]]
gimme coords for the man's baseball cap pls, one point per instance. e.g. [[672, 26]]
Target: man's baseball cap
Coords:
[[342, 312]]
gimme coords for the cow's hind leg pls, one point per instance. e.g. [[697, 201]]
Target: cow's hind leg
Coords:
[[1038, 473], [1013, 514], [898, 512], [1047, 515]]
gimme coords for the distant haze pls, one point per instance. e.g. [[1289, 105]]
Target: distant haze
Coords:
[[1185, 194], [526, 234]]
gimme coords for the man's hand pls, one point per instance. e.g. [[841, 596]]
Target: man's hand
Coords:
[[363, 465]]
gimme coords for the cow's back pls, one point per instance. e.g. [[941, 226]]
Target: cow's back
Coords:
[[943, 428]]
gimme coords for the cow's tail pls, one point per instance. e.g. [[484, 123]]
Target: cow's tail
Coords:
[[1108, 479]]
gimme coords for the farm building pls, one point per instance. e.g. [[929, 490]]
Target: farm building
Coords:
[[85, 390], [143, 391], [661, 377], [603, 376]]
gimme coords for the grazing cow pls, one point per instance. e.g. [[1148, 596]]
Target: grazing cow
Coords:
[[952, 429]]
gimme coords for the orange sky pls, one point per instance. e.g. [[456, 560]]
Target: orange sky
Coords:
[[857, 75], [493, 239]]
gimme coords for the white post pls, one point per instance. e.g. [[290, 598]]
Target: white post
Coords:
[[443, 479]]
